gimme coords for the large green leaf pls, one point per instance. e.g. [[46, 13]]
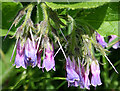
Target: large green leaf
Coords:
[[9, 11], [104, 19], [73, 6], [110, 24]]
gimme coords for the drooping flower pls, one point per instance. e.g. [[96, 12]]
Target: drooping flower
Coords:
[[49, 62], [30, 53], [84, 76], [117, 45], [77, 75], [72, 76], [19, 59], [100, 40], [95, 70], [81, 74]]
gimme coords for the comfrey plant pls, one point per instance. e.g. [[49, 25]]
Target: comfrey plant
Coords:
[[35, 46]]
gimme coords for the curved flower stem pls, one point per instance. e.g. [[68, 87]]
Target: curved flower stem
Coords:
[[106, 72], [24, 75], [39, 41], [30, 7], [57, 39], [57, 52], [61, 84], [48, 78], [9, 30], [111, 63], [14, 49], [63, 35], [32, 38], [61, 48]]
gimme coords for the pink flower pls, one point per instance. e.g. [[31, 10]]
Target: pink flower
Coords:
[[49, 62], [19, 59], [95, 70], [100, 40]]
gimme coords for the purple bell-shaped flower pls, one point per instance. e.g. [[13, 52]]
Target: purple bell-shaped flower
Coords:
[[19, 59], [72, 76], [30, 53]]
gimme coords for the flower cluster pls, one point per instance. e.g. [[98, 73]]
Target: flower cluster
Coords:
[[28, 54], [33, 48], [29, 47], [83, 76], [25, 54]]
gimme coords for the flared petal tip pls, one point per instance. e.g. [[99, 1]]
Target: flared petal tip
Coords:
[[48, 69], [16, 66]]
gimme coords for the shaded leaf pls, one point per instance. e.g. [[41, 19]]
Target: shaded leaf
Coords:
[[92, 17]]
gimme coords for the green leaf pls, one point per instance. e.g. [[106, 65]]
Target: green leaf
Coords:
[[73, 6], [110, 24], [103, 19], [3, 32]]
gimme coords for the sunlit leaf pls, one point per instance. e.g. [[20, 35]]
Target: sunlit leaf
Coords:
[[111, 20], [84, 5]]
